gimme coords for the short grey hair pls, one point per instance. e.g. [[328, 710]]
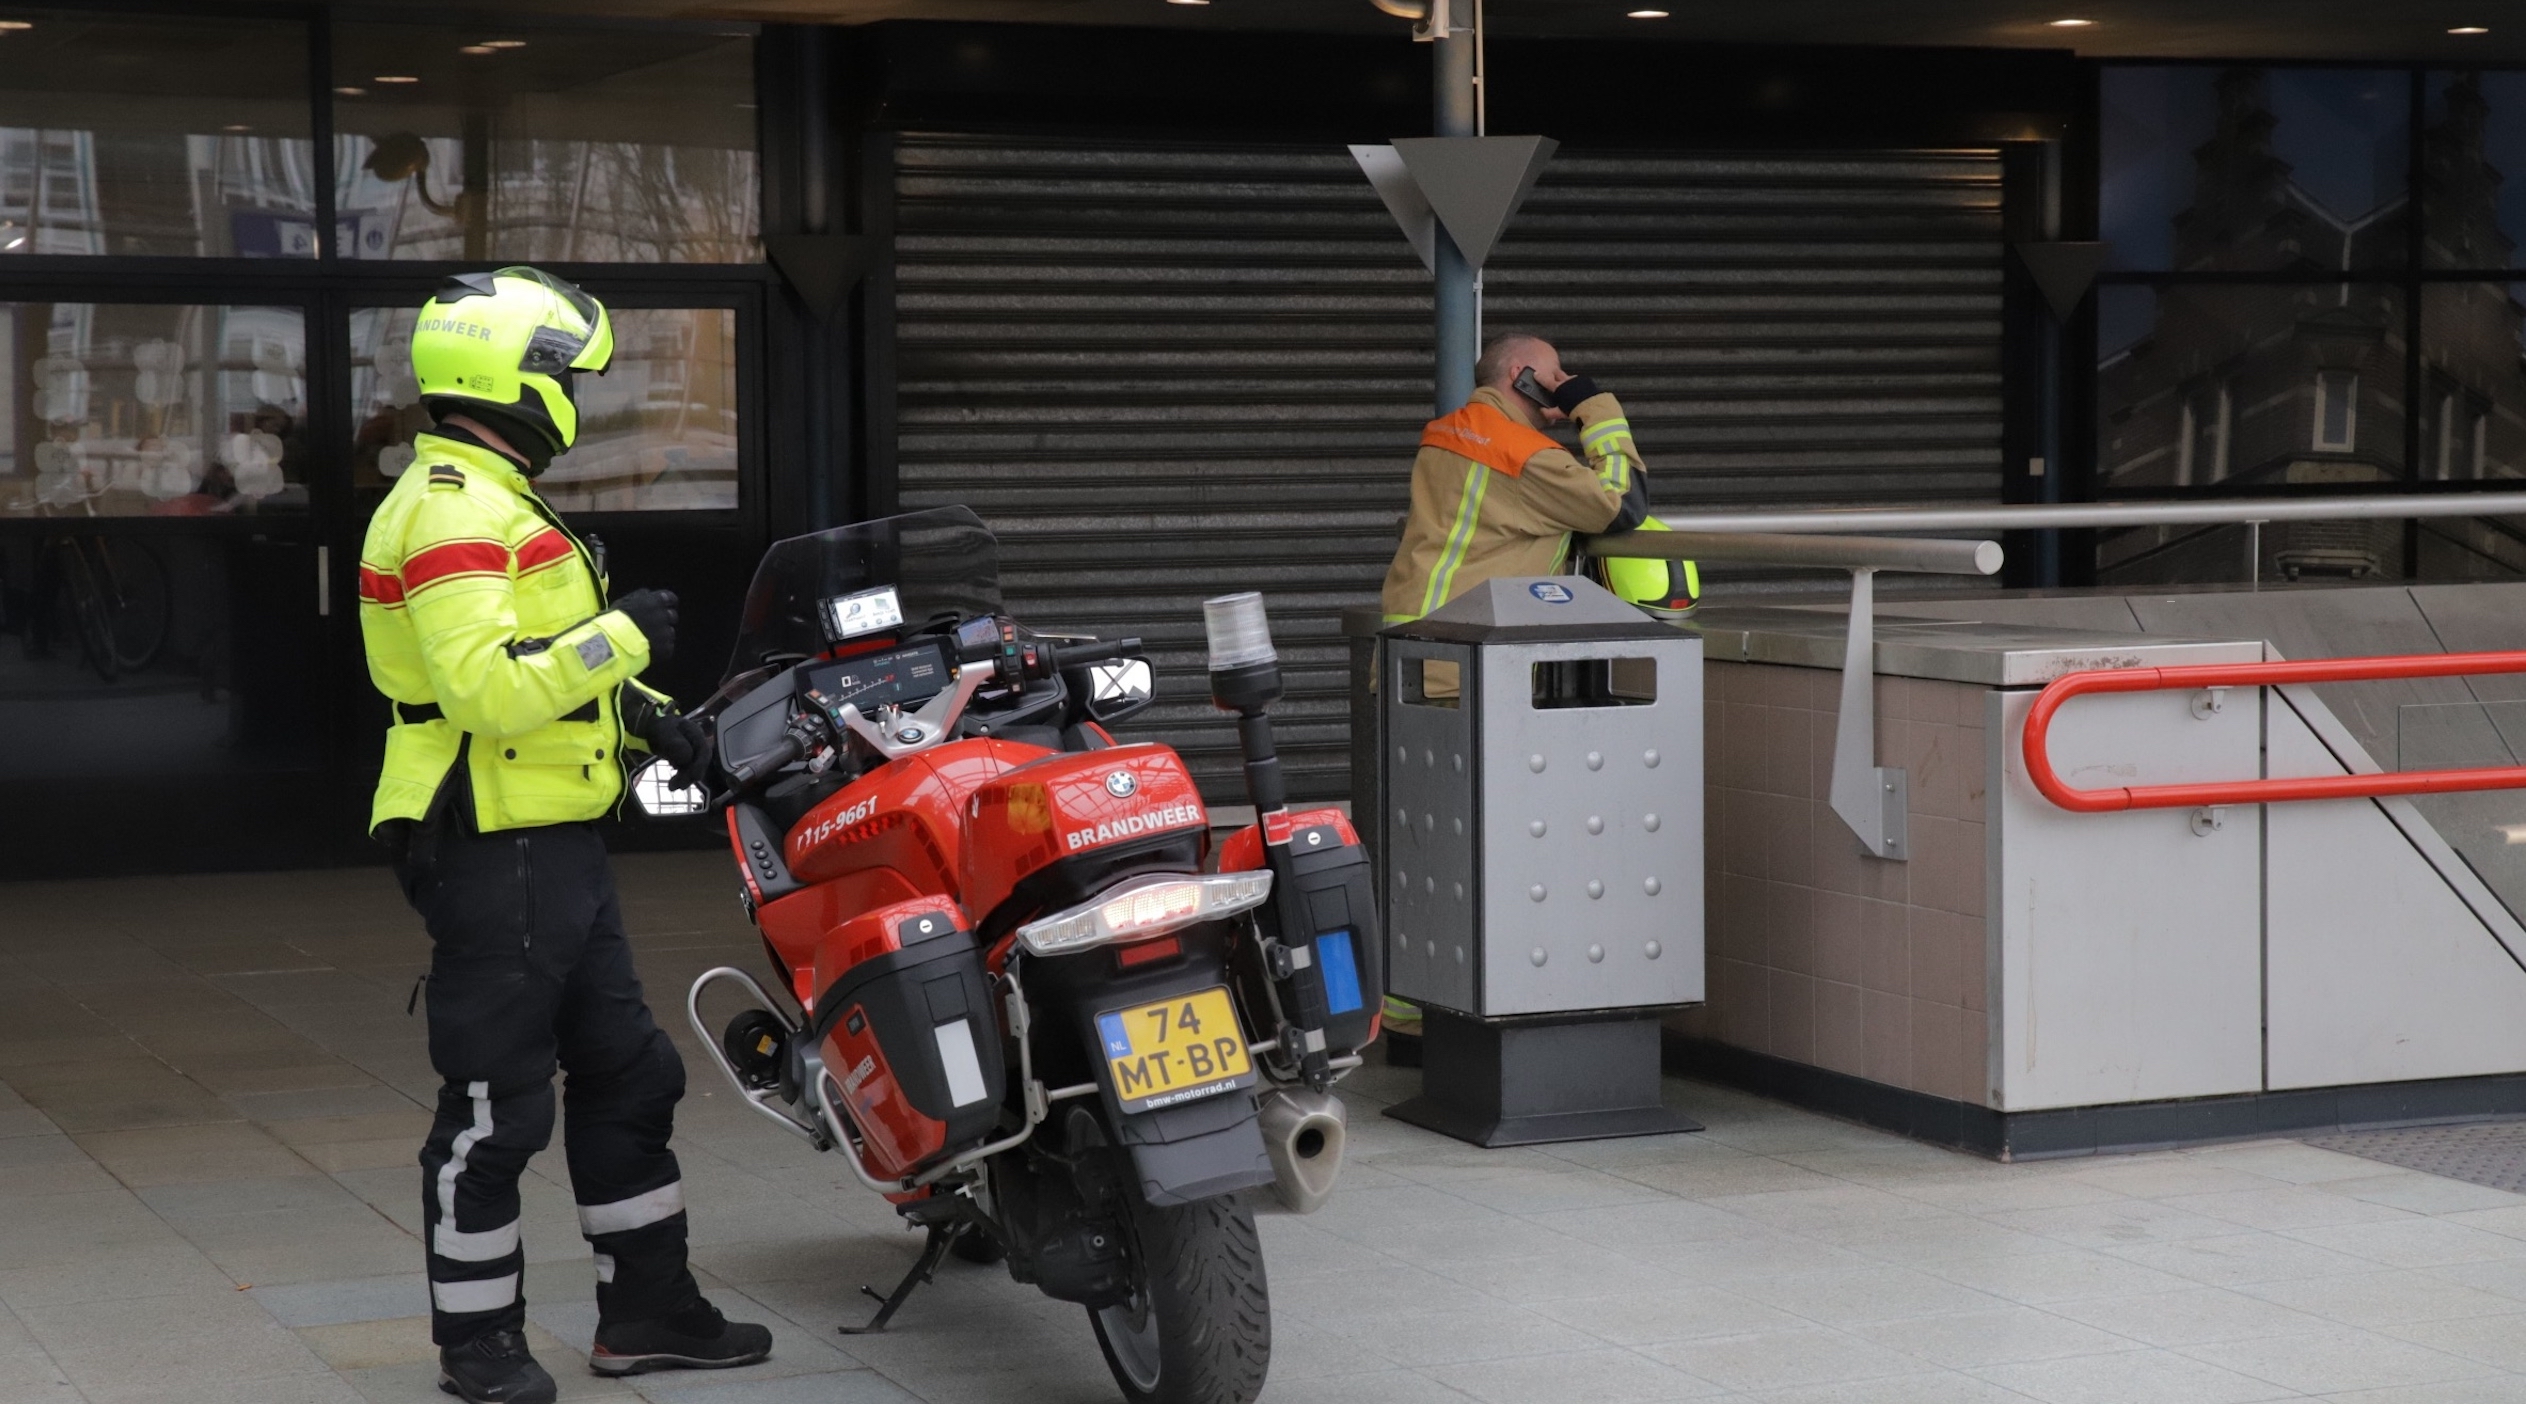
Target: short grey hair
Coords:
[[1501, 352]]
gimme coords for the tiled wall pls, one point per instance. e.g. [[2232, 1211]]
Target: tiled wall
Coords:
[[1818, 952]]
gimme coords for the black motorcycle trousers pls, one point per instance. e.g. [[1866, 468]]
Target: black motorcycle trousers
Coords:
[[529, 970]]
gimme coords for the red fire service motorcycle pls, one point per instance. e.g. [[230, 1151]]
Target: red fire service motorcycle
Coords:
[[1014, 985]]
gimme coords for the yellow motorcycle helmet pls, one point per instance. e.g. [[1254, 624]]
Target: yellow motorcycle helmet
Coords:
[[510, 341], [1667, 589]]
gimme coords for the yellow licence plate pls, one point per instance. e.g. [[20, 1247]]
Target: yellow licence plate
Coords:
[[1179, 1049]]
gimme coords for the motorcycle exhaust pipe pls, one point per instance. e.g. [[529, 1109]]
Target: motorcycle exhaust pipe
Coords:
[[1304, 1131]]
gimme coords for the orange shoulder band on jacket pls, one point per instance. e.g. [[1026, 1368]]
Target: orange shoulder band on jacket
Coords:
[[1488, 437]]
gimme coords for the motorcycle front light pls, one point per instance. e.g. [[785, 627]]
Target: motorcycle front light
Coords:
[[1144, 907]]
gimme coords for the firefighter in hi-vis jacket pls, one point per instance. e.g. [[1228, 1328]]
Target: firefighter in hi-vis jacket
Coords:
[[1494, 495], [511, 678]]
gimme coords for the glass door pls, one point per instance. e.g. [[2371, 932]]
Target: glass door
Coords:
[[163, 590]]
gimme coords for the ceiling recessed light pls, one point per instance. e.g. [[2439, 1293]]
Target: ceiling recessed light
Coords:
[[2470, 29], [236, 127], [394, 78], [477, 49], [17, 24], [2072, 24], [352, 92], [504, 43], [1188, 2], [1644, 14]]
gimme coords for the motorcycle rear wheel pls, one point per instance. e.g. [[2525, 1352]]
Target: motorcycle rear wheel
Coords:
[[1198, 1329]]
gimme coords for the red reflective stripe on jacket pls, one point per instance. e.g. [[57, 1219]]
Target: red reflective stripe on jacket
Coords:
[[451, 559], [542, 549], [378, 587]]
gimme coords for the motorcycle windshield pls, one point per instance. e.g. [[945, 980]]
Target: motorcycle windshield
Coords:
[[943, 564]]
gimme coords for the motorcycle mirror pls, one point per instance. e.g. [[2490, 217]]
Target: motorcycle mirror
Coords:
[[654, 790], [1119, 688]]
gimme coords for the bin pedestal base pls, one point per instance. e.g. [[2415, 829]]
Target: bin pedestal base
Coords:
[[1522, 1082]]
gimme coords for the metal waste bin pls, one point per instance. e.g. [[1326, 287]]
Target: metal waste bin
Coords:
[[1540, 829]]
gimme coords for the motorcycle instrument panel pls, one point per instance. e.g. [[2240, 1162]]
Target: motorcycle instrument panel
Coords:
[[1178, 1049], [895, 676]]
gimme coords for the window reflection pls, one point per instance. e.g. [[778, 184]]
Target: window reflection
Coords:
[[154, 135], [133, 410], [588, 146], [657, 431], [2200, 384], [2255, 169], [2473, 382], [2208, 386], [2473, 170]]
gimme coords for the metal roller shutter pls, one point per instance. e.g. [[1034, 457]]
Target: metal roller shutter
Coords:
[[1783, 329], [1164, 372]]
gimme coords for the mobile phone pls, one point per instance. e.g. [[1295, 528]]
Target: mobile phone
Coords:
[[1532, 389]]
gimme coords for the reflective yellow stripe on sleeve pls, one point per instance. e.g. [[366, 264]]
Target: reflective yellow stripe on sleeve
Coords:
[[1602, 430], [1459, 536]]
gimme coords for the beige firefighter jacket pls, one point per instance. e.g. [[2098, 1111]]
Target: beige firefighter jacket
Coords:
[[1493, 496]]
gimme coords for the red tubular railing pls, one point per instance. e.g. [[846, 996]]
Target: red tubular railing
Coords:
[[2319, 670]]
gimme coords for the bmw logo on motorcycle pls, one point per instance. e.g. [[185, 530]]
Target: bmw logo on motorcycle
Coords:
[[1121, 785]]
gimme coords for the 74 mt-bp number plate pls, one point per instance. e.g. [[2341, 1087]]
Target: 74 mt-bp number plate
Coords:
[[1178, 1049]]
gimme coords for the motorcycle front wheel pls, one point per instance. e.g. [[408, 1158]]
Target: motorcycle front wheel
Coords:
[[1198, 1328]]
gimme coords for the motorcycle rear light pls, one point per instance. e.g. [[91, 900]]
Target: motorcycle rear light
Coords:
[[1149, 952], [1145, 907]]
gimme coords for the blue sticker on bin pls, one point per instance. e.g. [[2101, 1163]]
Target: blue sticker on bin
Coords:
[[1117, 1038], [1341, 972]]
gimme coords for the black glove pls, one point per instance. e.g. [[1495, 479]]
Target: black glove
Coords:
[[1571, 393], [652, 612], [679, 741]]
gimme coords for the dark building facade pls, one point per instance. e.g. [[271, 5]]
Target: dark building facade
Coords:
[[2304, 330], [1123, 292]]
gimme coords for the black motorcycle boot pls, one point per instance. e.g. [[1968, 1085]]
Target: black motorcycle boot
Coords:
[[495, 1368], [695, 1338]]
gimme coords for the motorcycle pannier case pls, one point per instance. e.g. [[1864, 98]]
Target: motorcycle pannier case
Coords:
[[1329, 912], [1325, 915], [908, 1034]]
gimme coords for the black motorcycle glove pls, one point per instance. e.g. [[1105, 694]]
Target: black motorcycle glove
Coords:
[[681, 742], [1571, 393], [652, 612]]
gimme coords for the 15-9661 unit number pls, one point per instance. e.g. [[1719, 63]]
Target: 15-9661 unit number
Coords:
[[1175, 1050]]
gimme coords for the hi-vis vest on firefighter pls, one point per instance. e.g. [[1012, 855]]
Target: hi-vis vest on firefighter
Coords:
[[1493, 497], [485, 620]]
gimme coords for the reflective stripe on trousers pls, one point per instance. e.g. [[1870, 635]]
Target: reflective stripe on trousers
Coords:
[[530, 974]]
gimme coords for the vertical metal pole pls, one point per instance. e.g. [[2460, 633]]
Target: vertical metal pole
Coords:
[[2254, 555], [825, 399], [2049, 375], [1459, 290]]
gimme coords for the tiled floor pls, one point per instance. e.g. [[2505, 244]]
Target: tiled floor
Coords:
[[207, 1193]]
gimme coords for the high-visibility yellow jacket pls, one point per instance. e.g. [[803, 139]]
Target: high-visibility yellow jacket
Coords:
[[1492, 496], [484, 615]]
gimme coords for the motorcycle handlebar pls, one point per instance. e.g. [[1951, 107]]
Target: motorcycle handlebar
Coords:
[[791, 747], [1102, 651]]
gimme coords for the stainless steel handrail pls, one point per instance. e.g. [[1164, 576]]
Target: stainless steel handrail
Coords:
[[2038, 516], [1872, 800], [1927, 555]]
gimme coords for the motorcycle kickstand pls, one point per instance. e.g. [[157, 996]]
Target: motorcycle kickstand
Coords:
[[931, 1253]]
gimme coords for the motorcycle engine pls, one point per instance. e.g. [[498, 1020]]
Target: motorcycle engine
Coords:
[[1064, 1222]]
